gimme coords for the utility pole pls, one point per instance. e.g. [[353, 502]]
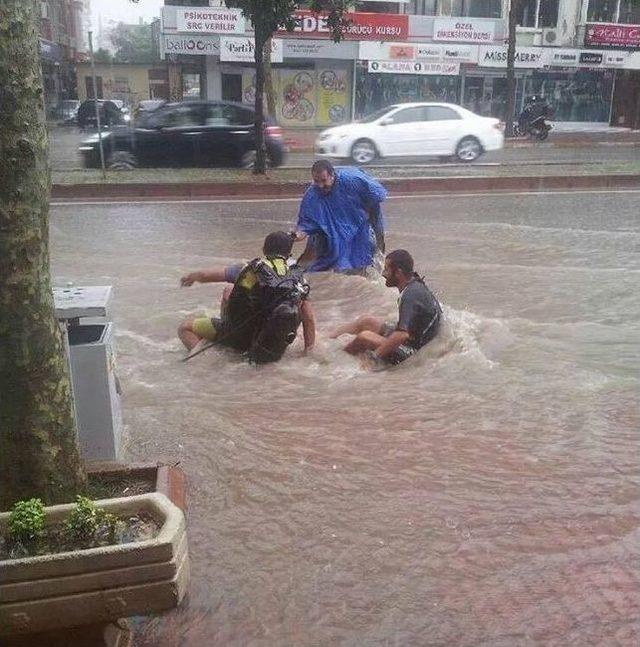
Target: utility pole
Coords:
[[97, 105]]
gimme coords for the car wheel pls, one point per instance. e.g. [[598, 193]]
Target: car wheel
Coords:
[[363, 151], [122, 161], [469, 149]]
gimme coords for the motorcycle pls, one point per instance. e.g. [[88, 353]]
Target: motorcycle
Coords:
[[536, 129]]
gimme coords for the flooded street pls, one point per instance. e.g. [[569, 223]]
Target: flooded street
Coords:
[[484, 493]]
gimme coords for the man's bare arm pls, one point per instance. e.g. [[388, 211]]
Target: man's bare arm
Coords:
[[214, 275]]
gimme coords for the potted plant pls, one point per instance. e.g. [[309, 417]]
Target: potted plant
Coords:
[[66, 573]]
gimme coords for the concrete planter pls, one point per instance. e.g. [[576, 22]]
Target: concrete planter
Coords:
[[97, 585]]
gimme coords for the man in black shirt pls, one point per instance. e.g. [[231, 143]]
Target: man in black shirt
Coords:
[[418, 320]]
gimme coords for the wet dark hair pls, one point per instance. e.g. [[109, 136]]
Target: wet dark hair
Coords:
[[323, 165], [402, 260], [278, 243]]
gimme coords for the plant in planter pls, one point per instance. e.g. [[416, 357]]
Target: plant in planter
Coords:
[[65, 585], [26, 525]]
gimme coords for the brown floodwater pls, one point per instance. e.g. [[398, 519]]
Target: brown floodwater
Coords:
[[483, 493]]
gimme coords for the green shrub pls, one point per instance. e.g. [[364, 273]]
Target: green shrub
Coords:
[[26, 521], [86, 520]]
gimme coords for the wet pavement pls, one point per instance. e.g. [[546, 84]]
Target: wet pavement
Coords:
[[484, 493]]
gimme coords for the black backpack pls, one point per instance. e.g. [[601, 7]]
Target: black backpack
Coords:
[[271, 310]]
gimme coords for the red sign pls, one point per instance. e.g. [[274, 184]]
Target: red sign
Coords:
[[362, 26], [612, 35]]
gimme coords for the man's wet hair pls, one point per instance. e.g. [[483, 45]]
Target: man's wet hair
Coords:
[[402, 260], [278, 243], [323, 165]]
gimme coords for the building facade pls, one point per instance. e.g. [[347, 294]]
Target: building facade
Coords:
[[570, 51], [61, 47]]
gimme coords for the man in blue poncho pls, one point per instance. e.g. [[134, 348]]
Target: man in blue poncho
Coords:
[[341, 217]]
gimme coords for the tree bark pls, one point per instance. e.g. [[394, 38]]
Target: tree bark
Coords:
[[268, 81], [261, 35], [511, 75], [38, 440]]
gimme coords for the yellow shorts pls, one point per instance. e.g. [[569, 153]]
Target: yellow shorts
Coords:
[[206, 328]]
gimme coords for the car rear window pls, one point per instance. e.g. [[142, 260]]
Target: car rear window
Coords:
[[220, 114], [442, 113]]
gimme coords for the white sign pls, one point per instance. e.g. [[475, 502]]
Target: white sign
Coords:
[[559, 57], [210, 20], [463, 30], [429, 52], [233, 48], [459, 53], [303, 48], [633, 61], [413, 67], [530, 57], [615, 59], [181, 44]]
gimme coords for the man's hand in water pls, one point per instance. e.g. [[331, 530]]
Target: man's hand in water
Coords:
[[189, 279]]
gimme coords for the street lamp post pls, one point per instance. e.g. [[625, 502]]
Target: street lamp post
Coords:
[[96, 104]]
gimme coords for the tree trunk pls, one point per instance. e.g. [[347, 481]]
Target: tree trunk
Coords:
[[511, 75], [38, 440], [268, 81], [261, 153]]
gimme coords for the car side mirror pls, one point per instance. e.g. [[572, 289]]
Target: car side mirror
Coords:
[[387, 122]]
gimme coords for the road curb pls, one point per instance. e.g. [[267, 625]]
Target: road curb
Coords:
[[265, 189]]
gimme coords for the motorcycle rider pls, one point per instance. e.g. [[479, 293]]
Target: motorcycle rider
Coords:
[[535, 108]]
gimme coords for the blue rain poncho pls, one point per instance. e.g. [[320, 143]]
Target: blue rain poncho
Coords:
[[338, 224]]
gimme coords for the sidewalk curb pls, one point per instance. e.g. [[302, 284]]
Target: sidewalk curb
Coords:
[[241, 190]]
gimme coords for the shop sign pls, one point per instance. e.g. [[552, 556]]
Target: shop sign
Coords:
[[370, 50], [362, 26], [210, 20], [303, 48], [177, 44], [591, 58], [413, 67], [463, 30], [553, 57], [235, 48], [615, 59], [460, 53], [429, 52], [612, 35], [530, 57]]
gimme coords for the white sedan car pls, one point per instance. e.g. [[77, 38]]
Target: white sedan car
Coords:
[[411, 130]]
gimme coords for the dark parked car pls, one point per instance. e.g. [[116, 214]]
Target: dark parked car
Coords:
[[112, 113], [194, 133]]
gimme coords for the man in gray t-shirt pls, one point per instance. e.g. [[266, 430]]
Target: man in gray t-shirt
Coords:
[[418, 318]]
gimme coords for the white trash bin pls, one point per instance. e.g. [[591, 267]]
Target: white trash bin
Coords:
[[91, 345]]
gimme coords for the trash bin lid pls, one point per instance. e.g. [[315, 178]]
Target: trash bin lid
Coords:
[[80, 301]]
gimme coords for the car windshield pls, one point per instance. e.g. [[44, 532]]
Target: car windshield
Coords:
[[375, 115]]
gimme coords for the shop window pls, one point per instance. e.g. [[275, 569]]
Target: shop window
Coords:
[[409, 115], [584, 95], [441, 113], [425, 7], [538, 13], [629, 12], [476, 8], [602, 10]]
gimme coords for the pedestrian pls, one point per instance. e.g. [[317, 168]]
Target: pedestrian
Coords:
[[341, 218], [418, 319], [261, 314]]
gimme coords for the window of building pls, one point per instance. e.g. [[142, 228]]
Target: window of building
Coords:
[[538, 13], [425, 7], [622, 11], [476, 8]]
